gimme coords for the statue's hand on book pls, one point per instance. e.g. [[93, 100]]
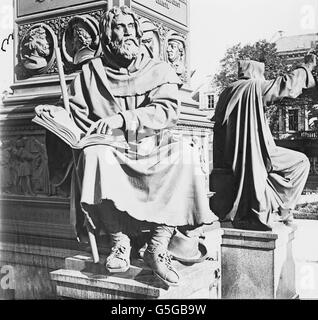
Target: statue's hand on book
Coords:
[[106, 125], [45, 108]]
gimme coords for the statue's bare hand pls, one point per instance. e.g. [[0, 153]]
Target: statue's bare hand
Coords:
[[44, 108], [106, 125], [310, 61]]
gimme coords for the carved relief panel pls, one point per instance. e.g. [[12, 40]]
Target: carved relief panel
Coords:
[[166, 44], [175, 51], [36, 50], [151, 38], [32, 166], [80, 40], [24, 165]]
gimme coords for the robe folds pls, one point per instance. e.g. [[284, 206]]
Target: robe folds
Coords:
[[159, 179], [264, 177]]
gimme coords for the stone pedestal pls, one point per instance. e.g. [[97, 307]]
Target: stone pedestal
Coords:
[[31, 266], [258, 265], [82, 279]]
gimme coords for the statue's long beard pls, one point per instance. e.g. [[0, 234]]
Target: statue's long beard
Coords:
[[43, 52], [126, 52]]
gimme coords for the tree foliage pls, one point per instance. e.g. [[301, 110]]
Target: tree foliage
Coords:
[[262, 51]]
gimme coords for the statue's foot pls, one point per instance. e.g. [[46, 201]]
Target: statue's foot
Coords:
[[119, 258], [158, 259], [286, 215]]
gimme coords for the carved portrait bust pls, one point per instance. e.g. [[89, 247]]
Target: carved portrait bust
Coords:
[[80, 39], [175, 52], [150, 37], [35, 49]]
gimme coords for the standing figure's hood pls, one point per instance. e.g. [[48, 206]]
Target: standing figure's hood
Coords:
[[250, 69]]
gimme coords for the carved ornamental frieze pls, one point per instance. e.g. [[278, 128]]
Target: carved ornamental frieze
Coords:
[[79, 40], [70, 31]]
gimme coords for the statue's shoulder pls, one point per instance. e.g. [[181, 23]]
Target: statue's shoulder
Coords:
[[93, 63], [161, 65], [165, 70]]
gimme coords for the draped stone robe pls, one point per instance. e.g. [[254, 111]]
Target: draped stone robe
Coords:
[[265, 176], [159, 179]]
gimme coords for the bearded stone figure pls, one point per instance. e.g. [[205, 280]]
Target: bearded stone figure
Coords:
[[35, 50], [158, 181]]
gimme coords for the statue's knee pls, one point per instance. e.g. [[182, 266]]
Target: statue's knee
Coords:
[[90, 150], [97, 150], [306, 163]]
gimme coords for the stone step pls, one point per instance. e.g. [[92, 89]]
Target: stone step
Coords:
[[83, 279]]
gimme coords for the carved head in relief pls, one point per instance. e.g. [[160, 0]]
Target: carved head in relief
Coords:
[[175, 52], [81, 39], [36, 51], [150, 37], [121, 34], [36, 48]]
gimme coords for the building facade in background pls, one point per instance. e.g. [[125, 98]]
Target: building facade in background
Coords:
[[299, 117]]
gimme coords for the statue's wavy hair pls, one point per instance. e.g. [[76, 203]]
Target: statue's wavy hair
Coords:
[[31, 43], [83, 35], [107, 20]]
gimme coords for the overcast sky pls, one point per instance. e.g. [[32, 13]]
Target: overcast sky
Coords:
[[215, 25]]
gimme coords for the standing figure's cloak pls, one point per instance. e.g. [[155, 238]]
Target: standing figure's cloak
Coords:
[[159, 179], [265, 177]]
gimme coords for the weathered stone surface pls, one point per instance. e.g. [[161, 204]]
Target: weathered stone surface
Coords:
[[258, 265], [31, 265]]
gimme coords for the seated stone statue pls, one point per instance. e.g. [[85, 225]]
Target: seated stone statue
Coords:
[[159, 179], [265, 178]]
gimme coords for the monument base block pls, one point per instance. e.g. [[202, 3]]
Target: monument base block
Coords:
[[83, 279], [257, 264]]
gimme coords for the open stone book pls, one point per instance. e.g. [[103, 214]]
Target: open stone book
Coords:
[[59, 122]]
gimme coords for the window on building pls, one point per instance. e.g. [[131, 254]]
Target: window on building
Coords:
[[293, 119], [210, 101]]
